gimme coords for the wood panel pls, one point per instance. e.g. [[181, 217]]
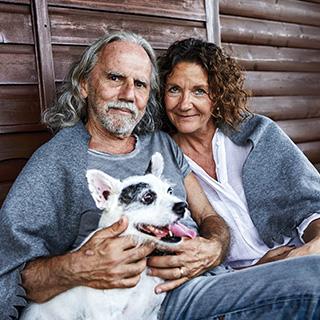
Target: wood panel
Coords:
[[272, 33], [21, 145], [78, 27], [15, 24], [264, 58], [17, 64], [311, 150], [300, 12], [283, 83], [183, 9], [301, 130], [19, 105], [286, 107]]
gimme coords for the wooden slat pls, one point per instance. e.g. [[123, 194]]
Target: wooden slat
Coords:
[[63, 58], [17, 64], [10, 169], [78, 27], [15, 24], [183, 9], [300, 12], [287, 107], [21, 145], [19, 105], [302, 130], [283, 83], [266, 58], [254, 31], [311, 150], [4, 189], [16, 1], [44, 53]]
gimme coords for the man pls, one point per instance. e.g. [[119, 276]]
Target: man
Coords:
[[111, 94], [108, 112]]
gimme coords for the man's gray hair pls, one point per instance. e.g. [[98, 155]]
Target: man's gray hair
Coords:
[[71, 107]]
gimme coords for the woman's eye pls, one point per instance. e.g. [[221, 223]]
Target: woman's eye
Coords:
[[200, 92], [148, 197], [170, 190], [173, 90]]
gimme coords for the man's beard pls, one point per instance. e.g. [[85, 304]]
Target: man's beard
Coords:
[[119, 124]]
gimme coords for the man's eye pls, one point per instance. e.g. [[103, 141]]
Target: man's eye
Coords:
[[170, 190], [113, 77], [148, 197], [140, 84]]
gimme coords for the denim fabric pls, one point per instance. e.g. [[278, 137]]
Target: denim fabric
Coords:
[[287, 289]]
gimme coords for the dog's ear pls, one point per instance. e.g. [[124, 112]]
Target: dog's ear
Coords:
[[101, 186], [155, 165]]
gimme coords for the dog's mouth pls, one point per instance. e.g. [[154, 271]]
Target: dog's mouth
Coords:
[[170, 233]]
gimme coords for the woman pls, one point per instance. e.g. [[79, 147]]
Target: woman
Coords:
[[246, 165]]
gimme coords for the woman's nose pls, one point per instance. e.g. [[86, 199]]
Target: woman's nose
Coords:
[[185, 102]]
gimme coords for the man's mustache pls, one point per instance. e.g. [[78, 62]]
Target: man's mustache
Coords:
[[123, 105]]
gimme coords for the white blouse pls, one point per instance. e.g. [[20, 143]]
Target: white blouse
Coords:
[[226, 195]]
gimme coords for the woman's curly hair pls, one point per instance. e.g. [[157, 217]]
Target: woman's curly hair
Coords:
[[225, 78]]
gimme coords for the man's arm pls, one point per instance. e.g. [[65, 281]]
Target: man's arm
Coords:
[[105, 261], [193, 256]]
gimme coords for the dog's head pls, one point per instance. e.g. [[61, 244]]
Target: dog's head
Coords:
[[148, 202]]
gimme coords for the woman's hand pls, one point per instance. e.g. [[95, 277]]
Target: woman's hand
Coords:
[[276, 254], [310, 248], [191, 258]]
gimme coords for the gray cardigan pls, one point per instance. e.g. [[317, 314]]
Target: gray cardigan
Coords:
[[48, 197], [282, 187]]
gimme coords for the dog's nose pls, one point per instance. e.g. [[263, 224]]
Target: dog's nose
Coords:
[[179, 208]]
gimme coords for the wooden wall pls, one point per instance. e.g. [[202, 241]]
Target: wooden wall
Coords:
[[278, 43], [39, 40]]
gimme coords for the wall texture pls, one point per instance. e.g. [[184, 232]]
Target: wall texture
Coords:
[[277, 42]]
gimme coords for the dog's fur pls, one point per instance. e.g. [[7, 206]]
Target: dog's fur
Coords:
[[151, 209]]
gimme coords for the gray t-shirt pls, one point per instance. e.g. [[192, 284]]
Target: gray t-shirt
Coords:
[[121, 166]]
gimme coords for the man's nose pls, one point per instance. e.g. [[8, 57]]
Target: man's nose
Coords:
[[127, 92]]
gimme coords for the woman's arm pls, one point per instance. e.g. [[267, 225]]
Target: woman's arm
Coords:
[[194, 256]]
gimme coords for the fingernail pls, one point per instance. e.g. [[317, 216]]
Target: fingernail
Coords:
[[158, 290]]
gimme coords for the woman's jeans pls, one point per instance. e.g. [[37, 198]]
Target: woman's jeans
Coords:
[[288, 289]]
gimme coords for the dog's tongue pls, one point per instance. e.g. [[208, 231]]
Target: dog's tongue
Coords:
[[180, 230]]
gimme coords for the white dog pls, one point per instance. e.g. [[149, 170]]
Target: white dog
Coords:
[[153, 213]]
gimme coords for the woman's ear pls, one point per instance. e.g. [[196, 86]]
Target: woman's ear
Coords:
[[84, 88]]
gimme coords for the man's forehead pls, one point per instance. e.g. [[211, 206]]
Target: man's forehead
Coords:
[[126, 57]]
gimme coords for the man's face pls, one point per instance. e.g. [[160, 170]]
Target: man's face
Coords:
[[118, 88]]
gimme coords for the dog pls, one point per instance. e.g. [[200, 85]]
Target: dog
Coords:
[[153, 214]]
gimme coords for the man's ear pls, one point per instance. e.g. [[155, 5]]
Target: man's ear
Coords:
[[101, 187], [84, 88]]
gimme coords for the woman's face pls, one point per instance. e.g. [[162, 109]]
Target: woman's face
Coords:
[[186, 99]]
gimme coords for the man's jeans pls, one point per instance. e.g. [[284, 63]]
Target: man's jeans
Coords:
[[287, 289]]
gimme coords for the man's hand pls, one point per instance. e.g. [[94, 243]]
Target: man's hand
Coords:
[[105, 261], [192, 258]]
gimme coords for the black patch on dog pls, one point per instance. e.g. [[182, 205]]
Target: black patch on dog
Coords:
[[131, 193]]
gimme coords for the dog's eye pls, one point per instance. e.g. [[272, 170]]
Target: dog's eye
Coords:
[[148, 197], [170, 190]]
